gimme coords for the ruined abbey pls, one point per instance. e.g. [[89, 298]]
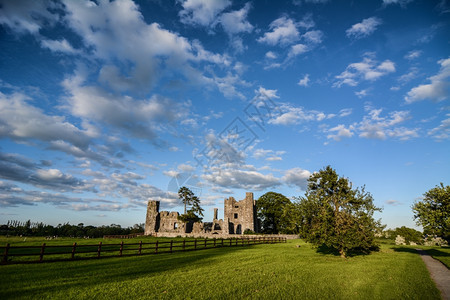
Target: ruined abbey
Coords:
[[239, 216]]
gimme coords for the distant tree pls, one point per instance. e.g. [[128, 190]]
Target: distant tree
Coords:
[[337, 216], [195, 213], [410, 234], [270, 209], [291, 218], [433, 212]]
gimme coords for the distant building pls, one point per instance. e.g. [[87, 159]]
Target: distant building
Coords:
[[239, 216]]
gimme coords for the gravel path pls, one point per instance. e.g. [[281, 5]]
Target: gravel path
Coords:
[[439, 273]]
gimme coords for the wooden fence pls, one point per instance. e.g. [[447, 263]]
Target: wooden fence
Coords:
[[123, 236], [52, 253]]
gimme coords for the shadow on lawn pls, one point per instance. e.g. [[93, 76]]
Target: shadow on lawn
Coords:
[[325, 250], [405, 250], [67, 275]]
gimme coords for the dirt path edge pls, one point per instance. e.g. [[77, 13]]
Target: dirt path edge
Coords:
[[438, 272]]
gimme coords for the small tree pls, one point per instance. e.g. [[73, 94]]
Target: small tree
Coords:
[[433, 212], [195, 213], [337, 216], [271, 207]]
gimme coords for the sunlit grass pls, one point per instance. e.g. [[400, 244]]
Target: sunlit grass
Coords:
[[277, 271]]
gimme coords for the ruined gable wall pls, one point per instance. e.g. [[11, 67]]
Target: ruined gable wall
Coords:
[[169, 222]]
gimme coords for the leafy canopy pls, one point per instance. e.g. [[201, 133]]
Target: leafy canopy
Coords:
[[195, 212], [270, 210], [337, 216], [433, 212]]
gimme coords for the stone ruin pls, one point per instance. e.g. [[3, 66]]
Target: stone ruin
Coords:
[[239, 216]]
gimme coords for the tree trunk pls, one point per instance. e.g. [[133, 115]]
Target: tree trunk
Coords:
[[342, 252]]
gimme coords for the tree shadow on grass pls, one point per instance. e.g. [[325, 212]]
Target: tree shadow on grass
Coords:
[[325, 250], [405, 250]]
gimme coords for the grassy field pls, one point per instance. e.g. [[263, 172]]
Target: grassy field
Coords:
[[278, 271]]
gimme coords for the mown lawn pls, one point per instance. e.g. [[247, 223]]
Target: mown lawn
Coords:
[[277, 271]]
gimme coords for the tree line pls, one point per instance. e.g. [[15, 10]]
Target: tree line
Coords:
[[28, 228]]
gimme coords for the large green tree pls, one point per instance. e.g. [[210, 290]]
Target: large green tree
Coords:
[[337, 216], [270, 210], [433, 212], [195, 212]]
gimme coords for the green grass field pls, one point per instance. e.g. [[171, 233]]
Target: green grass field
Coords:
[[277, 271]]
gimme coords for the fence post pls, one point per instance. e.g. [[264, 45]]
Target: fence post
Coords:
[[171, 245], [99, 250], [156, 247], [41, 255], [140, 248], [121, 249], [222, 242], [214, 242], [231, 239], [195, 244], [5, 255], [73, 250], [237, 241], [205, 242], [184, 244]]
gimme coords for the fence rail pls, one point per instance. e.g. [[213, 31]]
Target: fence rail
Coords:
[[52, 253]]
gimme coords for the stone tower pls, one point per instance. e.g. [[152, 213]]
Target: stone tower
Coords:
[[241, 214], [152, 219]]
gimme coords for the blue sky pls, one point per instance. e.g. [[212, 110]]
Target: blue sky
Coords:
[[105, 105]]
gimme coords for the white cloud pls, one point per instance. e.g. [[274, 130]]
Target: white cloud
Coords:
[[393, 202], [364, 70], [240, 177], [140, 118], [297, 50], [361, 93], [437, 90], [345, 112], [340, 132], [363, 29], [144, 64], [59, 46], [441, 132], [297, 177], [186, 168], [236, 21], [22, 121], [18, 168], [291, 115], [413, 54], [313, 37], [400, 2], [202, 12], [27, 16], [412, 73], [271, 55], [283, 32], [171, 173], [304, 81], [268, 155], [375, 126]]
